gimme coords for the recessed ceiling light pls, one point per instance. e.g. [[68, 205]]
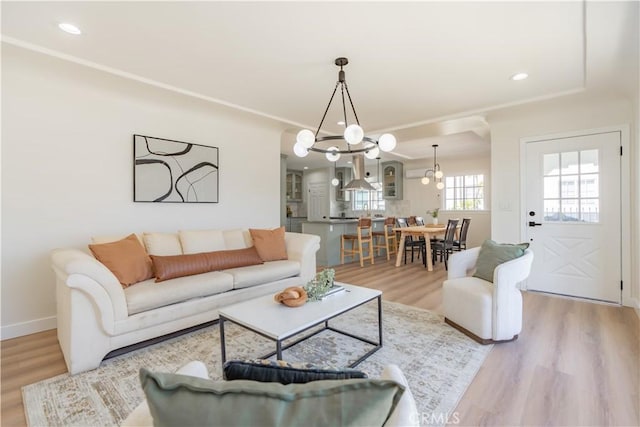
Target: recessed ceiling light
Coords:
[[341, 123], [519, 76], [306, 167], [350, 162], [69, 28]]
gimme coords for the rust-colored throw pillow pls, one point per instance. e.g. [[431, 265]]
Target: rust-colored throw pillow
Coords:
[[170, 267], [270, 243], [126, 259]]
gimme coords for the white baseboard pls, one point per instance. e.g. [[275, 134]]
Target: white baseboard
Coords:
[[27, 328]]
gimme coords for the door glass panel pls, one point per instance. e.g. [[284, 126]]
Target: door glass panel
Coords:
[[569, 163], [552, 210], [590, 210], [551, 164], [588, 161], [570, 210], [589, 185], [551, 187], [569, 186]]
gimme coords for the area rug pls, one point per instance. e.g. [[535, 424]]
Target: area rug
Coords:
[[438, 361]]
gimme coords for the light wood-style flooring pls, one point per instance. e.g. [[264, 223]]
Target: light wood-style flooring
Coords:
[[575, 363]]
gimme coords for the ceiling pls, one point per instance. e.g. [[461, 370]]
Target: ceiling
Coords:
[[426, 71]]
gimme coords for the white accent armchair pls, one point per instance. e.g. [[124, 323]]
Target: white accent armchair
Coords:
[[487, 312]]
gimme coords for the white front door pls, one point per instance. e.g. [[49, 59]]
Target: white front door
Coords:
[[573, 215]]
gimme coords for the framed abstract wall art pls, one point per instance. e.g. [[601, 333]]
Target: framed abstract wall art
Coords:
[[167, 171]]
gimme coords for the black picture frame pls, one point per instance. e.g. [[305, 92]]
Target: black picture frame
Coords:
[[169, 171]]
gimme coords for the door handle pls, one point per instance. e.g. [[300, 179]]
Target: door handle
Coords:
[[533, 223]]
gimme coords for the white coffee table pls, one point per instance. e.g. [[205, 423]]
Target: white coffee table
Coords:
[[278, 322]]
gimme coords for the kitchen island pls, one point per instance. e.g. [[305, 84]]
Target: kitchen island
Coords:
[[330, 232]]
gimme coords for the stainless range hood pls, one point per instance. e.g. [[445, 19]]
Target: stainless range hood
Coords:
[[358, 182]]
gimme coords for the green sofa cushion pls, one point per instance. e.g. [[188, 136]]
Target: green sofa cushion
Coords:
[[493, 254], [179, 400]]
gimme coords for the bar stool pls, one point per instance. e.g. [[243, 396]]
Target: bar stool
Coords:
[[362, 236], [389, 242]]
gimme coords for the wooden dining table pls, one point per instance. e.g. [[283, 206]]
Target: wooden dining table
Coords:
[[427, 231]]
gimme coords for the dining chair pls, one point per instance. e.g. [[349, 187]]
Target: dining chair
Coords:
[[461, 243], [419, 220], [386, 239], [363, 237], [444, 247], [410, 243]]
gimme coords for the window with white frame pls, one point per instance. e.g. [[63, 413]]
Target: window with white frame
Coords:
[[464, 193], [368, 200]]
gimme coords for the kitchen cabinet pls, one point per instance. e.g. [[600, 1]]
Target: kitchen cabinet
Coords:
[[392, 180], [294, 186], [344, 177]]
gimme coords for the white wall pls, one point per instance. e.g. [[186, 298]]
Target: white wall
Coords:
[[570, 113], [67, 170]]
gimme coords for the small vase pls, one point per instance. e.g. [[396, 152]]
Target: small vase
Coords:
[[435, 221]]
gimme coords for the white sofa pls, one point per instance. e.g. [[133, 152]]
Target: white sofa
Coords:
[[404, 415], [95, 315]]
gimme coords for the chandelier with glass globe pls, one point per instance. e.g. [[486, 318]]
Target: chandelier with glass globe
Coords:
[[353, 135], [435, 173]]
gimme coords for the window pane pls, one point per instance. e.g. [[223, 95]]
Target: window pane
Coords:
[[569, 163], [569, 186], [588, 161], [551, 187], [459, 181], [590, 210], [449, 181], [479, 193], [551, 164], [448, 194], [468, 193], [552, 210], [570, 210], [449, 205], [589, 185]]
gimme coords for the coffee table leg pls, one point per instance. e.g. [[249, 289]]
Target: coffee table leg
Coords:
[[380, 320], [223, 350]]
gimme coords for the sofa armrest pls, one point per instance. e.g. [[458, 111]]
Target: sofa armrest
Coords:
[[141, 416], [406, 412], [303, 248], [81, 271], [462, 263]]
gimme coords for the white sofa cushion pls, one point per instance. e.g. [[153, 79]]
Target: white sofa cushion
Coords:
[[271, 271], [162, 244], [148, 295], [196, 241]]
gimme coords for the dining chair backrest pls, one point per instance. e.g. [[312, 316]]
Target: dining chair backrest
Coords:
[[463, 230], [450, 232], [419, 220], [412, 220], [402, 222]]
